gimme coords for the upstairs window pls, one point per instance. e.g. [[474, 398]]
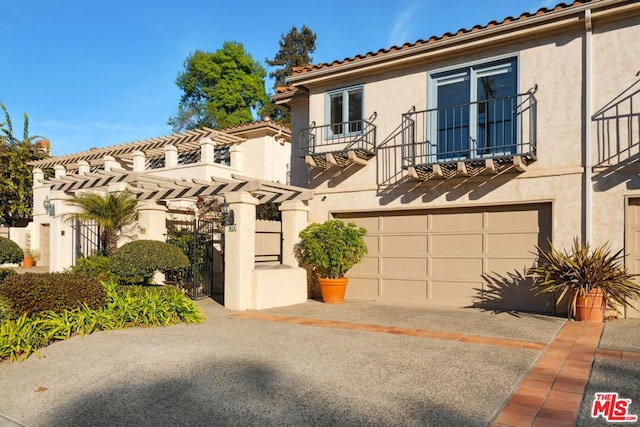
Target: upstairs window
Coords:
[[345, 110], [475, 110]]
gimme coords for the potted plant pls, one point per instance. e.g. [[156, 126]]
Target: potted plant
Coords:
[[329, 250], [591, 280], [30, 257]]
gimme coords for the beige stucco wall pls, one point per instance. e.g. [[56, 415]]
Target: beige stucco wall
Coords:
[[554, 60], [614, 182]]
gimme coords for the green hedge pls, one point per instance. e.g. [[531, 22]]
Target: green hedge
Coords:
[[138, 261], [10, 252], [31, 293], [6, 272]]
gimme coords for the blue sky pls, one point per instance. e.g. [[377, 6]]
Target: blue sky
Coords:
[[95, 73]]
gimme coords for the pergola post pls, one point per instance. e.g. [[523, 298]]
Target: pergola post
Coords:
[[240, 251], [61, 244], [295, 217]]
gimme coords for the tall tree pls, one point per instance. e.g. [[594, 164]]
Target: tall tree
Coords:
[[220, 89], [112, 212], [296, 48], [16, 178]]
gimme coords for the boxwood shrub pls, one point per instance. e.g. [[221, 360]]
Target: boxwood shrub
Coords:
[[10, 252], [138, 261], [98, 266], [31, 293]]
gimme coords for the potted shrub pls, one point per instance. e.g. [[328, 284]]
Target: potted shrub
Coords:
[[30, 257], [589, 279], [329, 250]]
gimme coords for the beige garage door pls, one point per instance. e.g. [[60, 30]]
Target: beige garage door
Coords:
[[462, 257], [632, 246]]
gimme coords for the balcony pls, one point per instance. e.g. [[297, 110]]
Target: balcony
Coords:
[[484, 137], [339, 144]]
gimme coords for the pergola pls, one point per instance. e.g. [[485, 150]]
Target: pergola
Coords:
[[152, 147], [152, 187]]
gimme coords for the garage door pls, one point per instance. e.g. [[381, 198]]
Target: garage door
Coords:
[[462, 257], [632, 246]]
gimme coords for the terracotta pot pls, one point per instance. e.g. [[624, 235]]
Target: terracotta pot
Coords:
[[591, 307], [28, 261], [333, 289]]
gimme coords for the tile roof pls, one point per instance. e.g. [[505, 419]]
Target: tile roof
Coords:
[[296, 71]]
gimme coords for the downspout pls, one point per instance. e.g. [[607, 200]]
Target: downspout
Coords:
[[588, 167]]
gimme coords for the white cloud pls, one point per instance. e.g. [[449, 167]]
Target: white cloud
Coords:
[[402, 28]]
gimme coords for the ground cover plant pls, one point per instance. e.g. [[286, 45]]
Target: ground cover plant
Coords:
[[125, 306]]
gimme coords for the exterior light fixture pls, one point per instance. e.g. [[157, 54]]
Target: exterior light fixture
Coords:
[[48, 206], [228, 217]]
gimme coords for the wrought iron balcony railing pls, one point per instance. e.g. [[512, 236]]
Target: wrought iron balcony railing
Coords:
[[497, 129], [338, 143]]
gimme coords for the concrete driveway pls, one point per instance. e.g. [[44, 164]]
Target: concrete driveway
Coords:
[[311, 364]]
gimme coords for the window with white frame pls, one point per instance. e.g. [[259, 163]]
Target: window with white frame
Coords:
[[473, 110], [345, 110]]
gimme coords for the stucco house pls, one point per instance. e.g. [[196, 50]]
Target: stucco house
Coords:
[[461, 152], [243, 167]]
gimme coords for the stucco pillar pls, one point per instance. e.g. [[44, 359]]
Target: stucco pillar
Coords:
[[207, 150], [83, 167], [59, 171], [240, 251], [170, 156], [235, 157], [61, 238], [110, 163], [139, 161], [295, 217], [152, 221]]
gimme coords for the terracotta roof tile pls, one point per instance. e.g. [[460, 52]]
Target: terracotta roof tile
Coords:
[[561, 6]]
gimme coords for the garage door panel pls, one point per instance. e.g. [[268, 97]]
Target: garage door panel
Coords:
[[515, 220], [467, 221], [372, 242], [456, 267], [456, 244], [403, 223], [508, 266], [369, 266], [403, 266], [465, 292], [404, 244], [370, 223], [516, 244], [362, 288], [404, 290]]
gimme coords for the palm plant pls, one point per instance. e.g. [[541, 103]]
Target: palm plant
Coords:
[[112, 212], [574, 274]]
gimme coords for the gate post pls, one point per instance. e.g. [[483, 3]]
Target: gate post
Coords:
[[240, 251], [151, 221], [294, 218]]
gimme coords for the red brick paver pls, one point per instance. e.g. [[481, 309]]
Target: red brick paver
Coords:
[[551, 393]]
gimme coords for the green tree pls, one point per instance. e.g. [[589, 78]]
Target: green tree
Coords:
[[296, 48], [16, 178], [112, 212], [220, 89]]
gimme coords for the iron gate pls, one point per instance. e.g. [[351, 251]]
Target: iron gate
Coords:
[[85, 239], [197, 239]]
